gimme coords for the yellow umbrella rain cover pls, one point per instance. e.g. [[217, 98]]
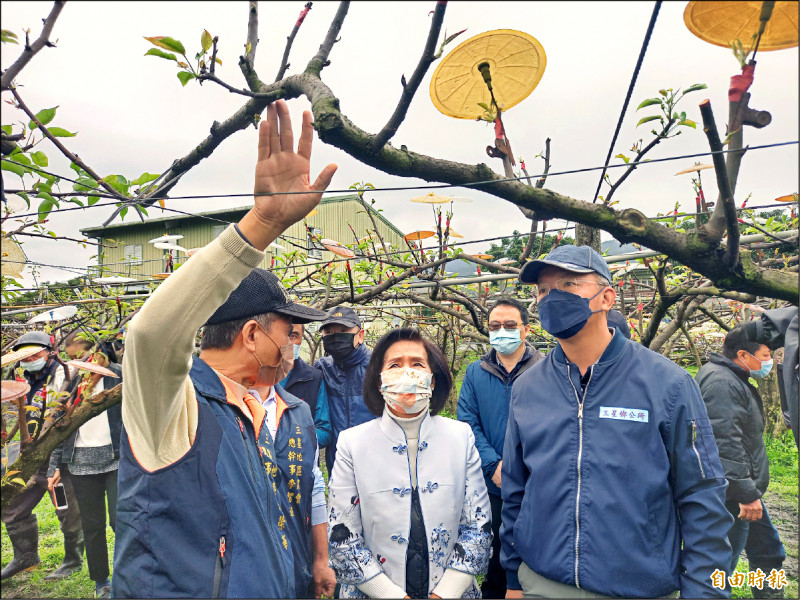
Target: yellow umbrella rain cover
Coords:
[[516, 61], [720, 23]]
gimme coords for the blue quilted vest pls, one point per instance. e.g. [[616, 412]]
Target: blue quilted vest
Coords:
[[207, 525], [295, 446]]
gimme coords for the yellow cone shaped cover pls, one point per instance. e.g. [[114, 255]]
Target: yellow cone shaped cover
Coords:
[[516, 60], [720, 23]]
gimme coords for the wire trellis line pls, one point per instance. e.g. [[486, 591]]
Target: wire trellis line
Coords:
[[134, 201]]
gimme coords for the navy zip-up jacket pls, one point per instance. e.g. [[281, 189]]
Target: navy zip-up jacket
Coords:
[[483, 405], [344, 382], [600, 488]]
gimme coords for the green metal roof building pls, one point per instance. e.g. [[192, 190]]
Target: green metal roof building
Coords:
[[131, 255]]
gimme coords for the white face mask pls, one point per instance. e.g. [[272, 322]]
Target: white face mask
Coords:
[[406, 389], [33, 366]]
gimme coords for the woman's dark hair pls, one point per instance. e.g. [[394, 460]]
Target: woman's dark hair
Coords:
[[436, 361], [736, 340]]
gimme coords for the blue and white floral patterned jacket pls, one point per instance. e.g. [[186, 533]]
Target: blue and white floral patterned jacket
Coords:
[[369, 503]]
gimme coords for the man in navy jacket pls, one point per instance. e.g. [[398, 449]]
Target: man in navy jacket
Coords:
[[483, 405], [611, 478]]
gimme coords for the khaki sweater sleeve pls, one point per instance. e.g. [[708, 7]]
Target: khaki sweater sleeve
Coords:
[[159, 408]]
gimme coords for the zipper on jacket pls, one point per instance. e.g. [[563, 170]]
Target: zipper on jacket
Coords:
[[580, 400], [220, 564], [246, 448], [694, 447]]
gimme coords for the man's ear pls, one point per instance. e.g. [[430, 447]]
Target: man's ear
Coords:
[[359, 338], [248, 334], [609, 296]]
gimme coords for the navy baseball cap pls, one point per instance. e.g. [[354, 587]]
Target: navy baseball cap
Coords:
[[258, 293], [578, 259], [343, 315]]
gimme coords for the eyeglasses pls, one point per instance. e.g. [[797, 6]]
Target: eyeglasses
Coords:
[[496, 325], [565, 285]]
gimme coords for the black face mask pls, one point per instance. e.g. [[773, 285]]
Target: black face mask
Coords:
[[339, 345]]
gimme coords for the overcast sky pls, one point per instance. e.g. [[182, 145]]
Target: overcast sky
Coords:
[[132, 115]]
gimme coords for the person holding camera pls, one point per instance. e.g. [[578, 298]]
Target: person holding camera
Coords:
[[91, 456]]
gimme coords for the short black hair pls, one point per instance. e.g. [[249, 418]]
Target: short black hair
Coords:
[[737, 340], [436, 361], [220, 336], [509, 301]]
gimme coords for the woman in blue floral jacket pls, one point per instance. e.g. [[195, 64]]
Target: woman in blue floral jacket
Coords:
[[408, 510]]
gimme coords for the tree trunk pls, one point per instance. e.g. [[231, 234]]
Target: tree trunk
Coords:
[[587, 236]]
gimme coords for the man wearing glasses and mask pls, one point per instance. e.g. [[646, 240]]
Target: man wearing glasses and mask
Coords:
[[612, 484], [343, 369], [483, 405]]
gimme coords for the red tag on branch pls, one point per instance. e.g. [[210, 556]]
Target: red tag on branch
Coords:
[[741, 83]]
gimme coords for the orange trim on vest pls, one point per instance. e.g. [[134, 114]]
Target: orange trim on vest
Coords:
[[252, 409]]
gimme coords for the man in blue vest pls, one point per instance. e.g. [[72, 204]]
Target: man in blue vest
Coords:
[[343, 370], [199, 511], [306, 382], [301, 487]]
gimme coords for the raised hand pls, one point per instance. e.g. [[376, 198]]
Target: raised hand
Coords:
[[280, 169]]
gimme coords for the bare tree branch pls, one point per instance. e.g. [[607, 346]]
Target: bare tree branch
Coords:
[[410, 88], [252, 34], [290, 41], [320, 60], [31, 50], [726, 195]]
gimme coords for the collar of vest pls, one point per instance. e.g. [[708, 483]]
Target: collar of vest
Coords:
[[207, 381], [289, 399]]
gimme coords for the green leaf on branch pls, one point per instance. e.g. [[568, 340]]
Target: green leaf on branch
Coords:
[[84, 184], [40, 158], [623, 157], [8, 36], [185, 77], [46, 196], [60, 132], [6, 129], [695, 87], [7, 165], [118, 182], [44, 117], [161, 54], [24, 196], [123, 212], [44, 209], [647, 119], [92, 200], [688, 123], [144, 178], [649, 102], [206, 40], [167, 43]]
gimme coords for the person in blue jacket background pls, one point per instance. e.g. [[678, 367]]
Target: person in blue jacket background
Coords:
[[612, 483], [343, 370], [483, 405]]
